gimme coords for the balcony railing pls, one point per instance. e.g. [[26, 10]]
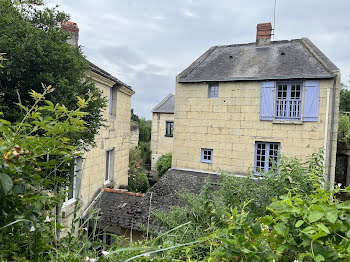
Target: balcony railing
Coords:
[[288, 109]]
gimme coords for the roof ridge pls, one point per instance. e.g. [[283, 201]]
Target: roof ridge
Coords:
[[162, 102], [309, 48], [254, 43]]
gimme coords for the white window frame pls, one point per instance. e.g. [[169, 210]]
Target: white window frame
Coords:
[[68, 201], [288, 108], [205, 155], [266, 156], [108, 166]]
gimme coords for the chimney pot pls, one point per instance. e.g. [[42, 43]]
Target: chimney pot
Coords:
[[263, 34], [73, 29]]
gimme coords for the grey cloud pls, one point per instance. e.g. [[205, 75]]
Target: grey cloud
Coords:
[[147, 43]]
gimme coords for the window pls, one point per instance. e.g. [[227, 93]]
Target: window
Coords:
[[266, 156], [71, 185], [288, 101], [113, 100], [207, 155], [109, 166], [213, 90], [285, 101], [169, 128]]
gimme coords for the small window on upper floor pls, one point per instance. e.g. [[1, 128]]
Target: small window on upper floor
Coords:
[[112, 100], [169, 128], [206, 155], [213, 90]]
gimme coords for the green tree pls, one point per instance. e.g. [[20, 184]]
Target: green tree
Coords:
[[344, 104], [37, 52], [30, 165]]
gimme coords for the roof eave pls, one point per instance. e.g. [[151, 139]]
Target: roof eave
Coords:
[[257, 78]]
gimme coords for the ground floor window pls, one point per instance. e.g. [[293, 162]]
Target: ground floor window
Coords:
[[266, 156], [71, 183], [207, 155], [109, 166]]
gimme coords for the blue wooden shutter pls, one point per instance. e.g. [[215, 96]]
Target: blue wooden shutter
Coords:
[[266, 100], [111, 101], [312, 95]]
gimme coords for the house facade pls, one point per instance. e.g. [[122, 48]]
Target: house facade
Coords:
[[162, 129], [105, 165], [238, 107]]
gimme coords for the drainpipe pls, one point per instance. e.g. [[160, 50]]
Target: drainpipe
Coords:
[[332, 130], [326, 134]]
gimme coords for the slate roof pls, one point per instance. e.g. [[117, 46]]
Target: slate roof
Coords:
[[132, 212], [101, 72], [166, 106], [288, 59]]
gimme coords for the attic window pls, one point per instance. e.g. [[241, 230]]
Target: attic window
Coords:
[[231, 57], [283, 53]]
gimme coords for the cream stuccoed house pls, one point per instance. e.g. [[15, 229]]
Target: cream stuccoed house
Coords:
[[237, 107], [105, 165], [162, 129]]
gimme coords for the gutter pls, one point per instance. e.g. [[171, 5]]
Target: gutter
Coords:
[[331, 130]]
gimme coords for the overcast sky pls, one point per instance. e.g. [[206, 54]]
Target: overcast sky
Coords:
[[146, 43]]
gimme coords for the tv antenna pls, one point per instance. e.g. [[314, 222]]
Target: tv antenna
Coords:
[[274, 19]]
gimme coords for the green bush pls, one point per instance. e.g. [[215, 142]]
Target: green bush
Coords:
[[292, 175], [164, 163], [137, 179], [33, 153], [138, 182]]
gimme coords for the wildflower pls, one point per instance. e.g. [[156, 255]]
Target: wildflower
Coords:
[[32, 229], [105, 253], [47, 219]]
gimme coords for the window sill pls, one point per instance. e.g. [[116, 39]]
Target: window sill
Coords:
[[68, 203], [169, 135], [108, 183], [205, 162], [288, 122], [68, 207]]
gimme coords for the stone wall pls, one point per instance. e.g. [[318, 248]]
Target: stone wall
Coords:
[[115, 136], [160, 144], [230, 125]]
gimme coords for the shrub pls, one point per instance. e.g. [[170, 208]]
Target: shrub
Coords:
[[300, 177], [164, 163], [33, 153], [138, 182], [137, 179]]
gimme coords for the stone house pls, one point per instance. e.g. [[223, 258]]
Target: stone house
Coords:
[[239, 106], [162, 128], [105, 165]]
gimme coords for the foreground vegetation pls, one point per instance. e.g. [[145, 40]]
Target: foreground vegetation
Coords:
[[288, 215]]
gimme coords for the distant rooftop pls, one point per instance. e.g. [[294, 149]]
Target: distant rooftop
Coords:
[[130, 210], [166, 106], [293, 59]]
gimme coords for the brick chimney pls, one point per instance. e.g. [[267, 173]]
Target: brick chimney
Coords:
[[263, 34], [73, 29]]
